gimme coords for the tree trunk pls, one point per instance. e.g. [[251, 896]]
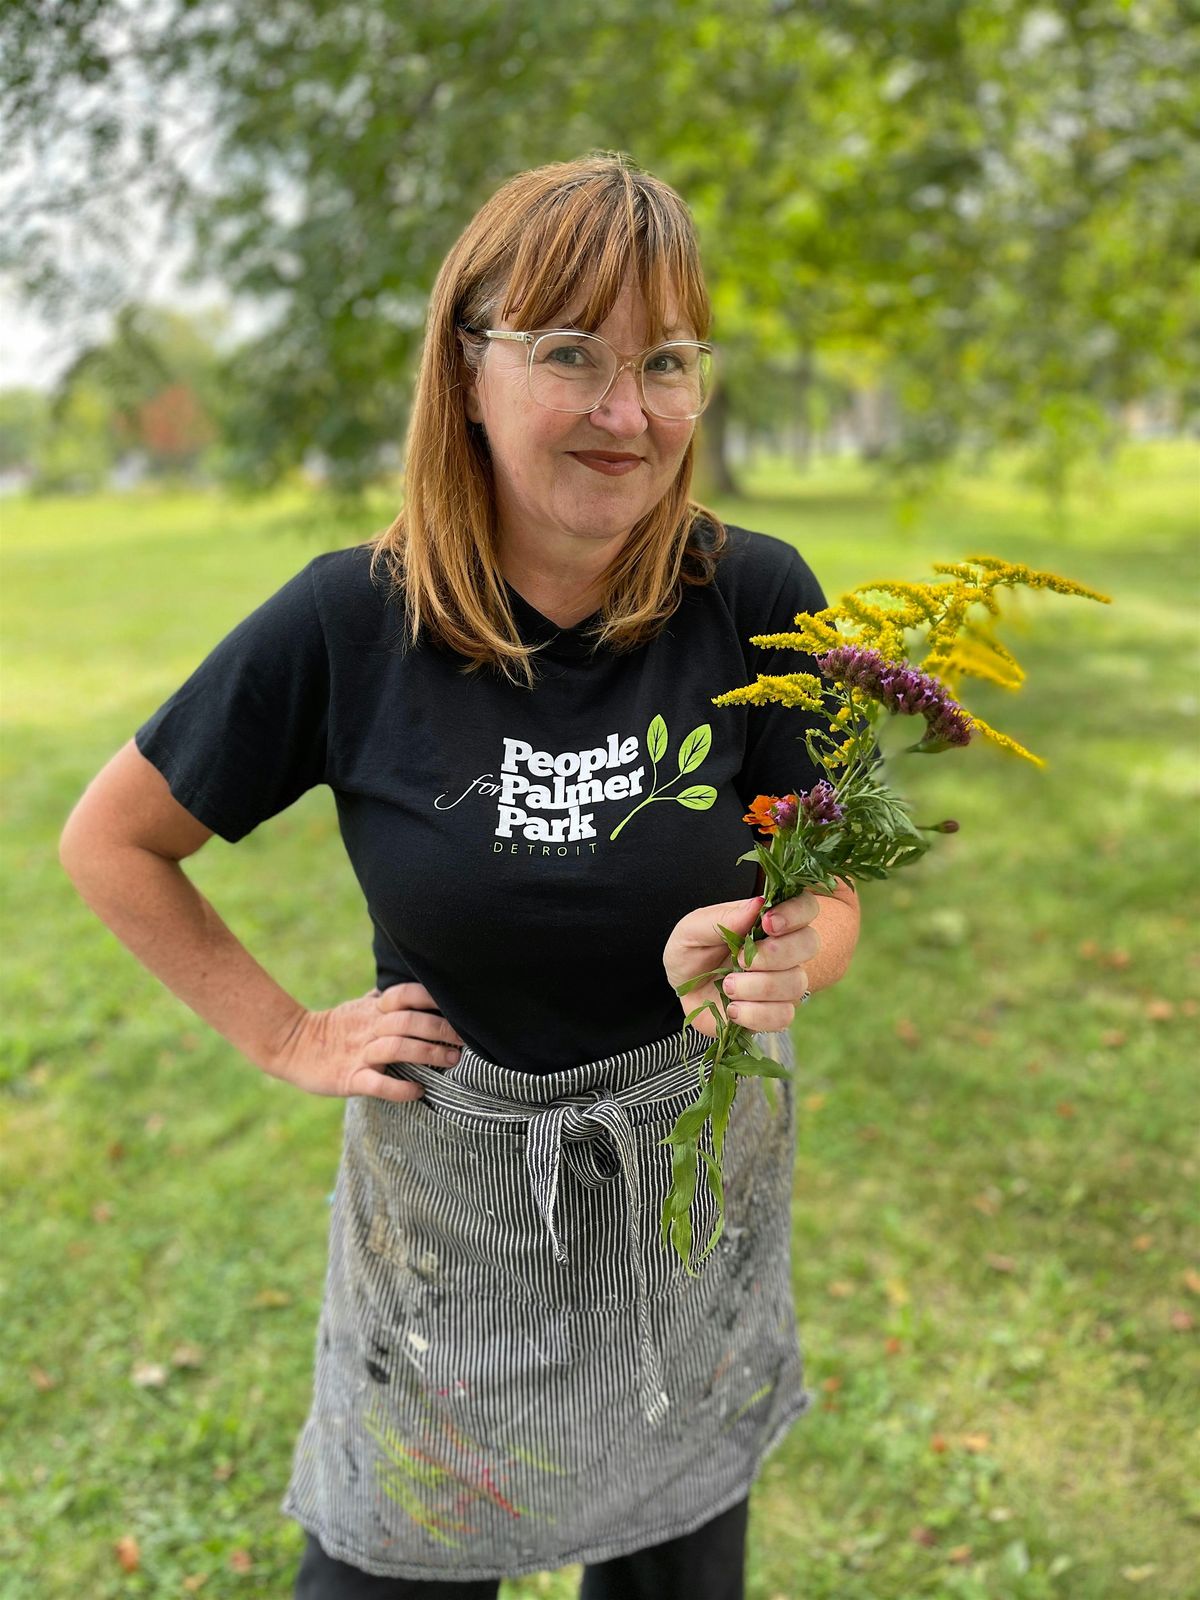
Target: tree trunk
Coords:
[[712, 478]]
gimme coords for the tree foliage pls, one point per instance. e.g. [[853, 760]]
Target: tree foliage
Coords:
[[985, 204]]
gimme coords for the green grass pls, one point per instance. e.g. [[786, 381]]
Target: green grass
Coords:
[[994, 1212]]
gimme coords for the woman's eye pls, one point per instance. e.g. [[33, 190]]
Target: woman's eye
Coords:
[[665, 362], [562, 354]]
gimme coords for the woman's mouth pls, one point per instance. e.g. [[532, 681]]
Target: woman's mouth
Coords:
[[611, 464]]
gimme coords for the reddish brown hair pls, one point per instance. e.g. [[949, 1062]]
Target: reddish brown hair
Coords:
[[549, 237]]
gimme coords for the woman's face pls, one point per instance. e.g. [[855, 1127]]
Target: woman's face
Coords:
[[545, 494]]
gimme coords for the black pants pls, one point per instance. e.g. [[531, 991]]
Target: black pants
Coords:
[[705, 1565]]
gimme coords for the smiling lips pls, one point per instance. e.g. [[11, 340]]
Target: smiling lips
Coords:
[[608, 462]]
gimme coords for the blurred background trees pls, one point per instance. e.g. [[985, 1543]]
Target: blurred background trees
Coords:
[[930, 229]]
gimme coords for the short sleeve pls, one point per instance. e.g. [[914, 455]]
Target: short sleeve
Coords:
[[247, 733], [777, 760]]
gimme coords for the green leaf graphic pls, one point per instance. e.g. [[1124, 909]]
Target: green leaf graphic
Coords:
[[656, 739], [695, 747], [698, 798]]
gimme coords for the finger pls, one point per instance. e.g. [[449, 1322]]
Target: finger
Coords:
[[378, 1086], [407, 997], [699, 928], [794, 913], [417, 1025], [757, 988], [787, 950], [422, 1052], [763, 1018]]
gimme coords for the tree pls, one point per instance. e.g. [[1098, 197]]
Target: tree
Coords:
[[987, 201]]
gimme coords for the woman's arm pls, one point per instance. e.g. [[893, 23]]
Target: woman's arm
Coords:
[[121, 847]]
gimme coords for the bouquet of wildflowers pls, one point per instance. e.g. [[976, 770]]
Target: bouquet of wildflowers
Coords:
[[851, 824]]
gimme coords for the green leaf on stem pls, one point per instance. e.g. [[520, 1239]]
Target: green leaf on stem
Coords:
[[695, 747], [698, 798], [656, 739], [723, 1087], [691, 1119], [747, 1066], [712, 1171], [700, 979]]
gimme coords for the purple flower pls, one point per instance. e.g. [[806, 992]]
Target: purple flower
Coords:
[[783, 811], [901, 689], [819, 803]]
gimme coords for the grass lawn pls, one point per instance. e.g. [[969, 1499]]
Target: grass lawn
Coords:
[[997, 1267]]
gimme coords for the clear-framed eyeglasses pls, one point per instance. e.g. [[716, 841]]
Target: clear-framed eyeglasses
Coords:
[[571, 371]]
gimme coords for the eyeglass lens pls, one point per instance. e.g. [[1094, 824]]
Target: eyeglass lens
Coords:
[[570, 372]]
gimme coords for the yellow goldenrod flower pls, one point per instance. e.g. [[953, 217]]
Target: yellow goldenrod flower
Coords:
[[790, 689], [1002, 741]]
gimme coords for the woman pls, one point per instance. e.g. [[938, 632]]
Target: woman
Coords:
[[509, 693]]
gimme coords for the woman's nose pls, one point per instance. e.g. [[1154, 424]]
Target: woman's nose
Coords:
[[621, 410]]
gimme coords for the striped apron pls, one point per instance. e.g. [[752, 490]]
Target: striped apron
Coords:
[[513, 1374]]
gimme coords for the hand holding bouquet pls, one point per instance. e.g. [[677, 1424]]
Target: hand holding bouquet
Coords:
[[901, 653]]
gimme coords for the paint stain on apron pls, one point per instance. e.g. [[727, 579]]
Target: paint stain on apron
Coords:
[[512, 1373]]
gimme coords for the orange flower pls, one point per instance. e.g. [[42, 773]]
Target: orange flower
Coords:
[[762, 814]]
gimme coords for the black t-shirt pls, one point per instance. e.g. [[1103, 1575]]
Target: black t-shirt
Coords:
[[523, 853]]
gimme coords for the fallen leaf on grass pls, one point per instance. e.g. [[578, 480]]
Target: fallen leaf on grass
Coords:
[[128, 1553], [155, 1123], [223, 1471], [1113, 1038], [897, 1291], [907, 1032], [939, 1444], [41, 1379], [116, 1151], [1139, 1574], [149, 1375], [1118, 960], [241, 1561], [960, 1554], [1159, 1010], [1143, 1241], [270, 1298], [1182, 1321], [1191, 1279], [839, 1289], [1001, 1263], [187, 1355], [976, 1443], [814, 1102], [988, 1202], [102, 1212], [1064, 1108], [923, 1535], [194, 1581], [892, 1346]]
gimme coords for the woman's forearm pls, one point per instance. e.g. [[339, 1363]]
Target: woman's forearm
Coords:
[[156, 911]]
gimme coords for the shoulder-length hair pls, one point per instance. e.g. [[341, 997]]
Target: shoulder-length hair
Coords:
[[569, 230]]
